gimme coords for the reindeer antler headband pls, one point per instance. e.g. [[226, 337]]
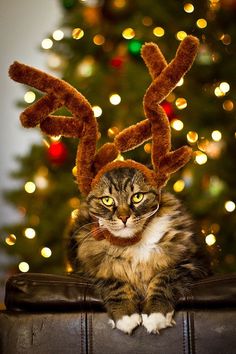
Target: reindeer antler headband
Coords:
[[91, 164]]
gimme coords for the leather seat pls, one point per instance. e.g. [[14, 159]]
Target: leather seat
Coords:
[[52, 314]]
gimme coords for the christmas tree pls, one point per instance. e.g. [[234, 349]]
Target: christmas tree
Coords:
[[96, 48]]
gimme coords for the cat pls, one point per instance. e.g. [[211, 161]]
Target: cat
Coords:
[[149, 255]]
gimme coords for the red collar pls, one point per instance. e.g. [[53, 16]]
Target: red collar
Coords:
[[101, 234]]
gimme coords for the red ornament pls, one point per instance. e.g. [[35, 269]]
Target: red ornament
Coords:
[[168, 108], [57, 153], [117, 62]]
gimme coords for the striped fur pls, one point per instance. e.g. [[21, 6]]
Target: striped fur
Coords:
[[149, 276]]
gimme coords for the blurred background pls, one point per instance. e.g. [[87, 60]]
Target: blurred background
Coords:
[[95, 45], [22, 26]]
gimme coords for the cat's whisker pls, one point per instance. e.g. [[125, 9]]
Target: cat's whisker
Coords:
[[95, 232], [92, 232], [86, 225], [147, 215], [70, 247]]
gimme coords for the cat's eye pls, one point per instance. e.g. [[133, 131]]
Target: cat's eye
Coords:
[[108, 201], [136, 198]]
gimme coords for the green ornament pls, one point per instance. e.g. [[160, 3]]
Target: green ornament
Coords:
[[216, 186], [204, 56], [69, 4], [134, 47]]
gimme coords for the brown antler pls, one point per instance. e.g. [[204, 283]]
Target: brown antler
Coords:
[[59, 93], [165, 78], [164, 161], [137, 134]]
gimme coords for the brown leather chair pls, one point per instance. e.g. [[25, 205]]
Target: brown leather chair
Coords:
[[50, 314]]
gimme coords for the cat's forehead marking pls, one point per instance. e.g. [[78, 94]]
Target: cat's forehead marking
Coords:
[[122, 180]]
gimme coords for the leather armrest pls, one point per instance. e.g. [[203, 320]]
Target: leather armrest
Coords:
[[215, 291], [37, 292]]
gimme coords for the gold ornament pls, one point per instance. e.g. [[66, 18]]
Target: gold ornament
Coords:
[[181, 35], [148, 148], [181, 103], [77, 33], [189, 8], [112, 132], [203, 144], [99, 39], [192, 137], [128, 33], [228, 105], [10, 240]]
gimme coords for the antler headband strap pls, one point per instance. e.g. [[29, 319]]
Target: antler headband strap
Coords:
[[83, 124]]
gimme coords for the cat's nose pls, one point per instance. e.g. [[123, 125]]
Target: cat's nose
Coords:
[[123, 213], [124, 218]]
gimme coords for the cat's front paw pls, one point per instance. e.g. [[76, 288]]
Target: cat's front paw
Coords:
[[127, 323], [157, 321]]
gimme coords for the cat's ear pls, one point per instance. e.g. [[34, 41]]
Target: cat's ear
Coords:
[[81, 125]]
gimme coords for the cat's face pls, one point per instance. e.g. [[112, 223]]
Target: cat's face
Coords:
[[122, 201]]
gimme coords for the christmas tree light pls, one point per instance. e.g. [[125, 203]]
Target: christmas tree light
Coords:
[[47, 43], [58, 35], [24, 267], [29, 97], [30, 233], [177, 124]]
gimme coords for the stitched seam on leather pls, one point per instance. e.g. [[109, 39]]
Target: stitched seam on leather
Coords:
[[86, 321], [191, 333], [90, 328], [193, 329], [82, 332], [86, 333], [185, 333]]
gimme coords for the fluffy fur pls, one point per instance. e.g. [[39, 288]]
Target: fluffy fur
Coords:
[[141, 279]]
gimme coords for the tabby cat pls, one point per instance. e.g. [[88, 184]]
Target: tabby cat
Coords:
[[138, 247]]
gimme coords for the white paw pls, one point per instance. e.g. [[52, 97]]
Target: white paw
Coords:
[[127, 323], [157, 321], [112, 323]]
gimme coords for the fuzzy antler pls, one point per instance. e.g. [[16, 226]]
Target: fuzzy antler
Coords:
[[165, 78], [89, 163], [59, 93], [164, 161]]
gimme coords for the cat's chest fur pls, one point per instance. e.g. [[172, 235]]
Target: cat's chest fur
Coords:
[[164, 241], [148, 246], [138, 263]]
